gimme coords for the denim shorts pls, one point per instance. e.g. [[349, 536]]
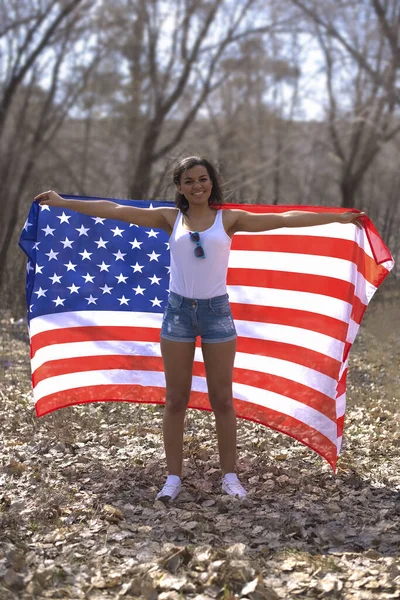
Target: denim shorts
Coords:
[[186, 318]]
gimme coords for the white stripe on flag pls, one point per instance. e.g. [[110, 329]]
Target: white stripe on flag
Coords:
[[341, 405], [288, 406], [250, 362], [330, 231], [309, 264], [304, 338], [103, 318], [305, 301]]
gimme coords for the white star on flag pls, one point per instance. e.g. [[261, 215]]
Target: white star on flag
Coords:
[[139, 290], [70, 266], [55, 279], [27, 224], [44, 207], [101, 243], [91, 300], [66, 243], [38, 269], [59, 301], [121, 278], [119, 255], [85, 254], [41, 292], [155, 279], [156, 302], [123, 300], [152, 233], [52, 255], [137, 267], [82, 230], [106, 289], [48, 230], [88, 278], [103, 267], [117, 231], [153, 256], [36, 245], [29, 267], [98, 220], [63, 218], [135, 244], [73, 288]]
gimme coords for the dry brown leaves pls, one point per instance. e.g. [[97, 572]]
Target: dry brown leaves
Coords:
[[78, 517]]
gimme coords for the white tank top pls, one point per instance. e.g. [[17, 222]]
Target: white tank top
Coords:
[[195, 277]]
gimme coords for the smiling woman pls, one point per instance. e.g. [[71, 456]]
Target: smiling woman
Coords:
[[198, 303], [202, 182]]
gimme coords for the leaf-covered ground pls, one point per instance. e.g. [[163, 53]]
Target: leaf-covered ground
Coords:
[[78, 517]]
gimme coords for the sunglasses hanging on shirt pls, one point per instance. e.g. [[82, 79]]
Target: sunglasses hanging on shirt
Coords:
[[198, 251]]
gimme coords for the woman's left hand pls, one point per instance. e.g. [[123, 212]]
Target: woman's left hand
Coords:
[[351, 217]]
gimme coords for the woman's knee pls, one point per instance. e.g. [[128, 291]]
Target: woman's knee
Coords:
[[176, 402], [221, 402]]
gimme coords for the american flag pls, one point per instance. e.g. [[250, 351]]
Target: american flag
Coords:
[[97, 289]]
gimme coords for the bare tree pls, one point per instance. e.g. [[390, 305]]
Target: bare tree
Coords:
[[360, 113], [30, 114], [175, 70], [387, 16], [357, 135]]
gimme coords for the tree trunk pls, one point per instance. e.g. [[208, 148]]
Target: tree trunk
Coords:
[[141, 181], [348, 189]]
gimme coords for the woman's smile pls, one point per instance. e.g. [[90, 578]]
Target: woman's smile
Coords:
[[191, 179]]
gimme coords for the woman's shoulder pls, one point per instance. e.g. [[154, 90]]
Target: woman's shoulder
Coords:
[[170, 215], [229, 218]]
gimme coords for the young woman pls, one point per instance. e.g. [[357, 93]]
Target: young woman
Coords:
[[200, 241]]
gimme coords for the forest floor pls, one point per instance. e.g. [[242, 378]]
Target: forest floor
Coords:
[[78, 517]]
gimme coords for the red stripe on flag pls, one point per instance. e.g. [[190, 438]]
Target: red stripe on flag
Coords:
[[299, 282], [289, 316], [321, 246], [297, 244], [341, 386], [292, 353], [358, 310], [93, 333], [340, 426], [280, 350], [81, 364], [289, 388], [274, 383], [153, 395]]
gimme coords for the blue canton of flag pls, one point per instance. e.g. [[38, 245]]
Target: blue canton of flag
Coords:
[[77, 262]]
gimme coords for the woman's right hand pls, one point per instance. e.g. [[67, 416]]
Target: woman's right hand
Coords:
[[50, 198]]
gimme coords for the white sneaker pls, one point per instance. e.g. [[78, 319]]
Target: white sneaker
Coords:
[[232, 486], [171, 489]]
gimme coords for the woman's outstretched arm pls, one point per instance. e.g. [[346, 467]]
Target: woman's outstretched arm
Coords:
[[243, 220], [147, 217]]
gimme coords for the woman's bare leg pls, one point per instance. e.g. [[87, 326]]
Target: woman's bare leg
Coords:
[[178, 367], [218, 360]]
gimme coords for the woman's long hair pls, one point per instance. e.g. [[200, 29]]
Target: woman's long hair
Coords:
[[184, 165]]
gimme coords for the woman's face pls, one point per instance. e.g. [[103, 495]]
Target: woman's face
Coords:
[[196, 185]]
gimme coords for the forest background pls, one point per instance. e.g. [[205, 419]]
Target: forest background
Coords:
[[296, 101]]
